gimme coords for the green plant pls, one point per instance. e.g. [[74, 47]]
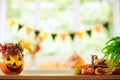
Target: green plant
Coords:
[[112, 50]]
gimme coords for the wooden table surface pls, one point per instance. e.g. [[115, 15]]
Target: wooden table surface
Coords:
[[60, 77], [55, 75]]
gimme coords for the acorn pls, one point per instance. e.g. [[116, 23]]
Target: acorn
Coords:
[[84, 71], [99, 71], [117, 71], [90, 71]]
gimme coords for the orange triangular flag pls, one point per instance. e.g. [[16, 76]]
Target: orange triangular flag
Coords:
[[63, 36], [80, 34], [28, 30], [98, 28]]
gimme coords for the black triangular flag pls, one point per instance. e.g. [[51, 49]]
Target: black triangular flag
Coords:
[[37, 32], [20, 27], [106, 25], [72, 35], [89, 32], [54, 36]]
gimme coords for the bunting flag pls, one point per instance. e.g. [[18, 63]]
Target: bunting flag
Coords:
[[43, 36], [63, 36], [98, 28], [106, 25], [12, 23], [89, 32], [54, 36], [80, 34], [37, 32], [72, 35], [20, 27], [29, 30]]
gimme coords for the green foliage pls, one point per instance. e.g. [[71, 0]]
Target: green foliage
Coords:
[[112, 50]]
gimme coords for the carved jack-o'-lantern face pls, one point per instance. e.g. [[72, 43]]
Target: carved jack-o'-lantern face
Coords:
[[12, 63]]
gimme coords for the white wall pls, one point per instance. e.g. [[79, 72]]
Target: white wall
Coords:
[[3, 22], [116, 17], [37, 15]]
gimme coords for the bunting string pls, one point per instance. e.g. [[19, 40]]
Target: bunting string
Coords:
[[44, 35]]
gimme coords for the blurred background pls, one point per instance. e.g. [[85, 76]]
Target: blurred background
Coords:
[[56, 32]]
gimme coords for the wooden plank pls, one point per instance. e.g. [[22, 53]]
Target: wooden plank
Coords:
[[60, 77]]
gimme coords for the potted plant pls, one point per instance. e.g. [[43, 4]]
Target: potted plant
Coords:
[[112, 52]]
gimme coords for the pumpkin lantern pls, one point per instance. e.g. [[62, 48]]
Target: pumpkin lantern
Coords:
[[12, 59]]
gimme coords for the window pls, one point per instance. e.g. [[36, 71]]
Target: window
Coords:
[[58, 17]]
